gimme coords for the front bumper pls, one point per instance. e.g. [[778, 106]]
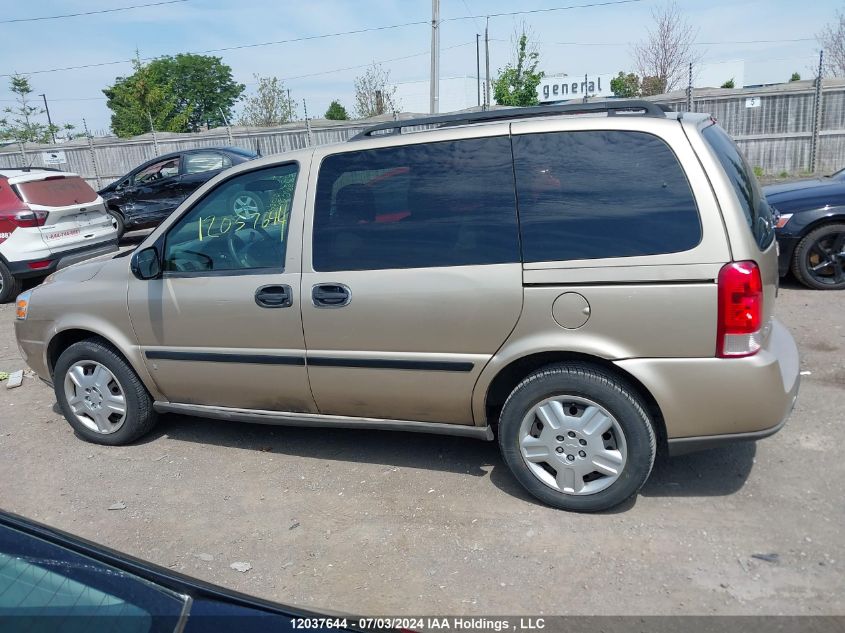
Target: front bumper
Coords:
[[62, 259], [711, 401], [786, 248]]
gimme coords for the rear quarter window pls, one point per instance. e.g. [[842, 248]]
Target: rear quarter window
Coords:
[[61, 191], [599, 194], [751, 200]]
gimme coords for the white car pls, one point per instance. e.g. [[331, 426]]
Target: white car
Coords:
[[48, 220]]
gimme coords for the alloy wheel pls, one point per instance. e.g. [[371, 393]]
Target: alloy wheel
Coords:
[[573, 445]]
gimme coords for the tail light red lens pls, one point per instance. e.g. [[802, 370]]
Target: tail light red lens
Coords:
[[740, 318], [26, 218]]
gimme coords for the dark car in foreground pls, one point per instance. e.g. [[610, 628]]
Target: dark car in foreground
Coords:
[[52, 581], [810, 228], [149, 193]]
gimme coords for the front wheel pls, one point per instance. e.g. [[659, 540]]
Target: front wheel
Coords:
[[819, 260], [119, 222], [577, 437], [10, 286], [100, 394]]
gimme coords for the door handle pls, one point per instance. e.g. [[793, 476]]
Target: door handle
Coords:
[[274, 296], [330, 295]]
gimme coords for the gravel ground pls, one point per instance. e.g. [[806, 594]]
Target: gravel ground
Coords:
[[393, 523]]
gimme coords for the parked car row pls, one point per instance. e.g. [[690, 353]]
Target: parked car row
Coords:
[[577, 287]]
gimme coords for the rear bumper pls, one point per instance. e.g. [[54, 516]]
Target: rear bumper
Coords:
[[62, 259], [711, 401]]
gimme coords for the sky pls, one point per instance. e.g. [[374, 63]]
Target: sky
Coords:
[[591, 40]]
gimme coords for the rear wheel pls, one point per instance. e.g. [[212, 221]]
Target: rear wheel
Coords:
[[819, 259], [577, 437], [10, 286], [100, 394]]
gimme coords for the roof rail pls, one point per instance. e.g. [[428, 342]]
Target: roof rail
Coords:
[[622, 107]]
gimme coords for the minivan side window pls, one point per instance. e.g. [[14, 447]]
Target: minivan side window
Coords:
[[220, 233], [603, 193], [757, 212], [448, 203]]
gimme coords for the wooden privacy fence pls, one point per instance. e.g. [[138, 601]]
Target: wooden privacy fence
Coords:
[[773, 125]]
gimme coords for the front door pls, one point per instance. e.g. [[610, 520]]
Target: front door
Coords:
[[155, 192], [222, 327], [413, 278]]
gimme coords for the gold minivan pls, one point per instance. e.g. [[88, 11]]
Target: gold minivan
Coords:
[[590, 284]]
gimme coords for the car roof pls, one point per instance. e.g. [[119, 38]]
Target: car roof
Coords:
[[32, 173]]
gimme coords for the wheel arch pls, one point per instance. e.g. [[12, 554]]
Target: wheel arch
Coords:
[[66, 337], [835, 218], [509, 376]]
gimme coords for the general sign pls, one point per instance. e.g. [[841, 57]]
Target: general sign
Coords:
[[574, 86]]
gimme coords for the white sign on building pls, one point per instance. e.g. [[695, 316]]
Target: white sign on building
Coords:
[[574, 86], [54, 158]]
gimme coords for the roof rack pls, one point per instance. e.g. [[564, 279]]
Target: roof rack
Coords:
[[612, 108]]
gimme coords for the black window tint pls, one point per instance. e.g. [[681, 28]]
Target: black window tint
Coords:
[[588, 195], [416, 206], [239, 225], [757, 212]]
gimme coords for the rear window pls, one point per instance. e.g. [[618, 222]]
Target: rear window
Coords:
[[757, 212], [56, 191], [603, 193]]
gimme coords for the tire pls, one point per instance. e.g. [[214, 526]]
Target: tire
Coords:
[[581, 390], [139, 417], [117, 216], [245, 204], [811, 251], [10, 286]]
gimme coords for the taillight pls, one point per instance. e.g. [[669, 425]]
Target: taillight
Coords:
[[25, 218], [740, 321]]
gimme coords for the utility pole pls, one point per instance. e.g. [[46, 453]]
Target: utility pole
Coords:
[[49, 120], [93, 156], [814, 147], [689, 90], [153, 130], [290, 107], [478, 66], [487, 64], [226, 123], [434, 101], [307, 123]]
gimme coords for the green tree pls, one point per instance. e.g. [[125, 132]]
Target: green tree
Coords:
[[20, 123], [653, 86], [795, 77], [729, 83], [626, 86], [269, 106], [336, 112], [179, 94], [517, 83]]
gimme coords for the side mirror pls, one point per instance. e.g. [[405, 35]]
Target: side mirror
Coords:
[[146, 264]]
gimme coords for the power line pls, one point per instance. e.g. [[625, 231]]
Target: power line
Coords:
[[547, 10], [76, 15], [232, 48], [327, 35]]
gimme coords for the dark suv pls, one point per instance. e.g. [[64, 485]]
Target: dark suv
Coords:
[[150, 193]]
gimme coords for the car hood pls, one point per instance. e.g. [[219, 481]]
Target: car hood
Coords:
[[802, 195], [82, 271]]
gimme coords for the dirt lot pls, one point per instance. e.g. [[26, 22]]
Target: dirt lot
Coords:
[[393, 523]]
